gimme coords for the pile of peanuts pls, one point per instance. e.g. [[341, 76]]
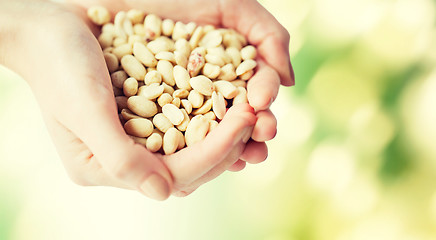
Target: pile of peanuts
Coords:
[[172, 81]]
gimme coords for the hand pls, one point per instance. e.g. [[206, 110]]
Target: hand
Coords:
[[260, 28], [63, 64]]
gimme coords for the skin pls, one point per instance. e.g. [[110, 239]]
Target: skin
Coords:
[[61, 60]]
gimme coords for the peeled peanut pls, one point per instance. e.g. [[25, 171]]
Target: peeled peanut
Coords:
[[239, 83], [169, 56], [121, 102], [139, 29], [153, 25], [176, 102], [165, 68], [118, 41], [219, 105], [196, 130], [139, 127], [167, 27], [118, 78], [212, 125], [214, 59], [99, 15], [105, 40], [152, 76], [180, 31], [142, 106], [128, 27], [248, 52], [181, 59], [245, 66], [127, 114], [211, 39], [196, 36], [227, 89], [112, 62], [207, 105], [135, 16], [171, 141], [144, 55], [168, 89], [202, 84], [119, 19], [241, 97], [184, 124], [154, 142], [139, 140], [173, 113], [133, 67], [187, 105], [210, 115], [227, 73], [181, 77], [130, 87], [195, 98], [165, 98], [122, 50], [180, 93], [161, 122], [182, 46], [159, 45], [211, 71], [235, 56], [247, 75], [151, 91]]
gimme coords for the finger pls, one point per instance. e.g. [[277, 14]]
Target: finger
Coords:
[[237, 166], [228, 161], [80, 97], [255, 152], [80, 163], [266, 126], [263, 87], [263, 30], [193, 162]]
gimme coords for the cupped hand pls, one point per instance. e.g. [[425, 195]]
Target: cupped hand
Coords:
[[63, 63]]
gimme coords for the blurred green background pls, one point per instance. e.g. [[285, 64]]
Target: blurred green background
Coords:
[[354, 158]]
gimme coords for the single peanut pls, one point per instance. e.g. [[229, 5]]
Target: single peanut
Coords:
[[195, 98], [139, 127], [130, 87], [99, 15], [133, 67], [202, 84], [196, 130], [219, 105], [181, 77], [161, 122], [227, 89], [165, 68], [144, 55], [173, 113], [154, 142], [207, 105], [245, 66], [171, 141], [142, 106]]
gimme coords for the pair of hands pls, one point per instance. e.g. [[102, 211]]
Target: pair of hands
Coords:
[[53, 47]]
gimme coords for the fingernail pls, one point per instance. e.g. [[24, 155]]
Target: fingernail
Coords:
[[156, 187], [247, 135], [244, 135]]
